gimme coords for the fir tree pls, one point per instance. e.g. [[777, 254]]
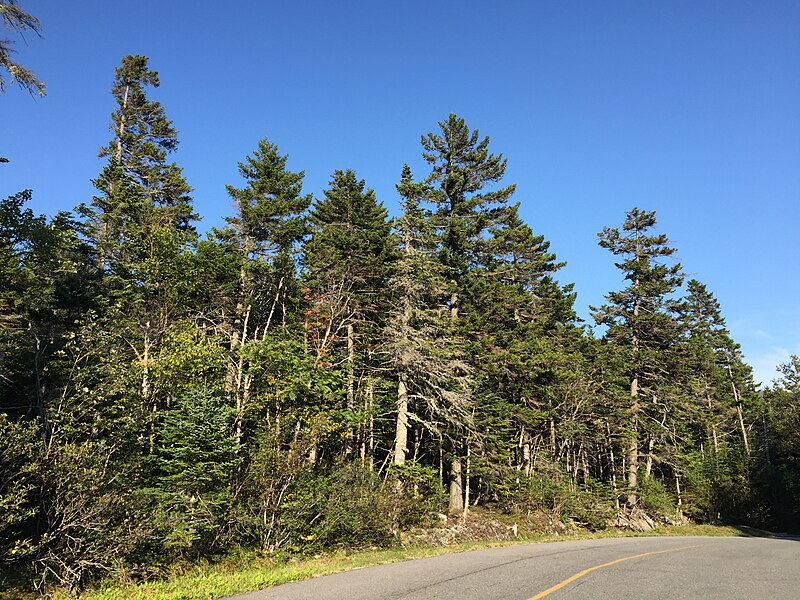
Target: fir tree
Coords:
[[491, 260], [269, 224], [640, 320], [431, 378], [143, 197], [348, 260]]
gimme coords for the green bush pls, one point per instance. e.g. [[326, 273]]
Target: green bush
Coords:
[[653, 497], [342, 508], [417, 494], [588, 504]]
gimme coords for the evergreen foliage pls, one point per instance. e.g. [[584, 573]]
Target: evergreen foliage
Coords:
[[315, 375], [18, 21]]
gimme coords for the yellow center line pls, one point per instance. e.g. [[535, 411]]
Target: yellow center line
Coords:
[[569, 580]]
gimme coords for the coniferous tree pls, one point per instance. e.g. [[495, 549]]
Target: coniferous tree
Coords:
[[142, 196], [431, 379], [461, 170], [641, 323], [348, 260], [269, 224], [780, 468], [488, 256], [106, 417]]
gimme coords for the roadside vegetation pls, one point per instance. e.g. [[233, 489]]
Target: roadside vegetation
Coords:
[[251, 572]]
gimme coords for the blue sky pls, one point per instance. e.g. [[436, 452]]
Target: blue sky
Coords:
[[691, 109]]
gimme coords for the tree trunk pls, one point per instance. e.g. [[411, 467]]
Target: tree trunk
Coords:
[[613, 465], [242, 385], [525, 451], [401, 432], [348, 449], [633, 446], [714, 437], [466, 487], [739, 411], [371, 412], [121, 131], [456, 506]]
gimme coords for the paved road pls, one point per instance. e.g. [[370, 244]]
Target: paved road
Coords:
[[641, 568]]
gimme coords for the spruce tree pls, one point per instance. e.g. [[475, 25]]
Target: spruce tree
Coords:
[[122, 369], [348, 260], [640, 321], [723, 401], [144, 200], [431, 377], [491, 261], [779, 469], [269, 224]]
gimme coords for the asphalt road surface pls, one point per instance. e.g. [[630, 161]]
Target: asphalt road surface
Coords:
[[640, 568]]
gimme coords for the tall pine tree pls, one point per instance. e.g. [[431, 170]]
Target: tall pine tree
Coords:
[[640, 322]]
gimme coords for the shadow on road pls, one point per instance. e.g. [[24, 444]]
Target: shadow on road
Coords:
[[746, 531]]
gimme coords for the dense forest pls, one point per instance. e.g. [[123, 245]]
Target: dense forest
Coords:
[[316, 374]]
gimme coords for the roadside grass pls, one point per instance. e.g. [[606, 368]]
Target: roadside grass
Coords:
[[234, 577]]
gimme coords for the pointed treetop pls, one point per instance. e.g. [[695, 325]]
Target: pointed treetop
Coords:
[[461, 160], [271, 205]]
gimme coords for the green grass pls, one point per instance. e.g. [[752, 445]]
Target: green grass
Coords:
[[225, 579]]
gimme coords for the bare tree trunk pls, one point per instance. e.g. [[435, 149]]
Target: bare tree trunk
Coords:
[[456, 506], [145, 389], [585, 465], [633, 444], [613, 465], [348, 449], [272, 308], [466, 487], [744, 429], [371, 411], [365, 429], [237, 336], [401, 432], [633, 447], [738, 400], [441, 461], [242, 385], [121, 131], [714, 438], [525, 443]]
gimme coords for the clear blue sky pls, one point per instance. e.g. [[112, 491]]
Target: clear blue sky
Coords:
[[691, 109]]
